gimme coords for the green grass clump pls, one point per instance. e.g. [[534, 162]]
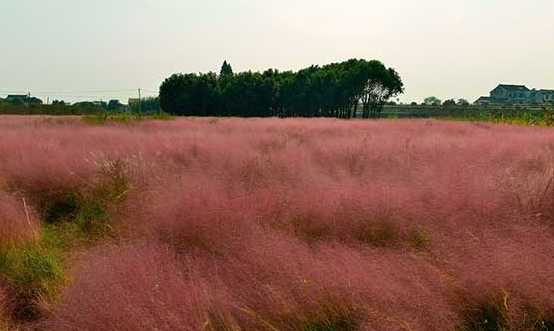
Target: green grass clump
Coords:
[[33, 270], [36, 270], [88, 210], [124, 118]]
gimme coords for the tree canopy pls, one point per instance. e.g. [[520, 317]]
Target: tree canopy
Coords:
[[432, 101], [333, 90], [226, 70]]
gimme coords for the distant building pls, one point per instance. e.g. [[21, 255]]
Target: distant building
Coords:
[[482, 101], [542, 96], [23, 99], [512, 94], [516, 94], [17, 98]]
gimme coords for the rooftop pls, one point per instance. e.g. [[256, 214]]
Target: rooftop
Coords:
[[513, 87]]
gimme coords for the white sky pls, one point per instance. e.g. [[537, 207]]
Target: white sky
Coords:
[[448, 48]]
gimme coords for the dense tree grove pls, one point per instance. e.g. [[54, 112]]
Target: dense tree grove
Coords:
[[333, 90]]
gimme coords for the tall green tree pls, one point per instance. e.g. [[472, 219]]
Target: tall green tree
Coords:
[[432, 101], [332, 90], [226, 70]]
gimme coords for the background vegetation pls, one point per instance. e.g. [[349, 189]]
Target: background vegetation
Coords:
[[332, 90]]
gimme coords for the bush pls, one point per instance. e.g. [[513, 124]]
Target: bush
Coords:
[[34, 271]]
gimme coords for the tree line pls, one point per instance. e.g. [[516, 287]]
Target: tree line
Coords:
[[332, 90]]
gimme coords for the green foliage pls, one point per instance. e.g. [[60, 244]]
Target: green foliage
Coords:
[[432, 101], [37, 269], [549, 116], [148, 106], [114, 105], [34, 270], [90, 209], [524, 115], [226, 70], [333, 90], [59, 108], [449, 103], [462, 102], [124, 118]]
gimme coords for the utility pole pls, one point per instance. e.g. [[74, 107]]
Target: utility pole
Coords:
[[139, 102]]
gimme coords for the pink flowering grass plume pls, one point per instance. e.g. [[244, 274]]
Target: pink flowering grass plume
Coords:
[[297, 224], [18, 222]]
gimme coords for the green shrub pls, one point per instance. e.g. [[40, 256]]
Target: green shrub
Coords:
[[33, 271], [89, 208], [36, 270]]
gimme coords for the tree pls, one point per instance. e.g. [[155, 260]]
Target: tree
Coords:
[[114, 105], [334, 90], [463, 102], [376, 83], [226, 70], [248, 94], [179, 94], [34, 101], [148, 105], [449, 103], [432, 101]]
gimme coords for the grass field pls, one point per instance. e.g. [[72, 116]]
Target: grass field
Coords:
[[267, 224]]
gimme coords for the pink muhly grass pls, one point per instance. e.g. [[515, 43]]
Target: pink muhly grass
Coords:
[[145, 287], [17, 221], [266, 224]]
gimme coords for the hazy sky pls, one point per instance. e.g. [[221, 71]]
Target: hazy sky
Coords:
[[448, 48]]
